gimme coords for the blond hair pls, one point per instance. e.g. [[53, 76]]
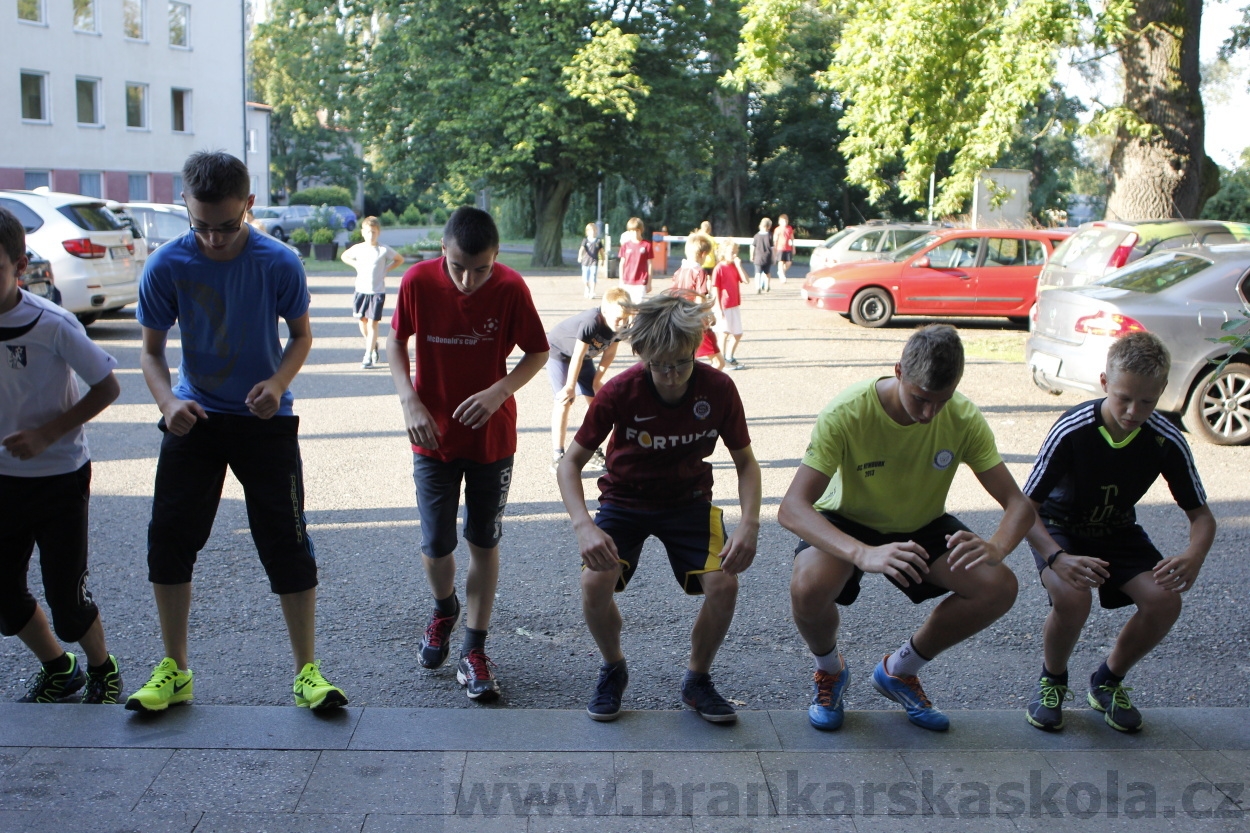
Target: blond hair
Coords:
[[371, 221], [1142, 354], [667, 325]]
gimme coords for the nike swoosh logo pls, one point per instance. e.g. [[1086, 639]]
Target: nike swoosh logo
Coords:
[[642, 419], [178, 688]]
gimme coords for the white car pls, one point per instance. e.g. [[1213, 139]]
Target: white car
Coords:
[[875, 240], [91, 253]]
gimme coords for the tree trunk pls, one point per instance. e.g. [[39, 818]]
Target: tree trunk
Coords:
[[729, 167], [551, 202], [1160, 176]]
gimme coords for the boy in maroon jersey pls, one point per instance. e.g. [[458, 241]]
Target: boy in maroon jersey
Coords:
[[665, 414], [466, 313]]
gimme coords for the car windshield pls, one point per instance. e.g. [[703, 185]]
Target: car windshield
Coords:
[[264, 213], [1089, 250], [914, 246], [828, 244], [1154, 274], [92, 216]]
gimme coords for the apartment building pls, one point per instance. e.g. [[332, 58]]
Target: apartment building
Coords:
[[108, 97]]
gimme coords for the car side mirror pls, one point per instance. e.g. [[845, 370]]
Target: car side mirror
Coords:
[[921, 263]]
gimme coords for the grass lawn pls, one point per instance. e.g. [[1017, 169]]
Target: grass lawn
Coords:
[[1004, 347]]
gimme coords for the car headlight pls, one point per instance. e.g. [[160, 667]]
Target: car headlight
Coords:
[[824, 283]]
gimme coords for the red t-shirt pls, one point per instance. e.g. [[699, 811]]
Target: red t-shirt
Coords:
[[462, 344], [783, 239], [725, 279], [690, 276], [657, 455], [635, 256]]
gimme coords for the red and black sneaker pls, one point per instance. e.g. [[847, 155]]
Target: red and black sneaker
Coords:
[[474, 673], [436, 641]]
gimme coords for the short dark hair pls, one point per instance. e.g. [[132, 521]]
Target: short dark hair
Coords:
[[670, 323], [472, 230], [933, 357], [12, 235], [214, 176]]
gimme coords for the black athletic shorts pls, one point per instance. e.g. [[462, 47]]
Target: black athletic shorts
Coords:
[[1128, 551], [931, 536], [693, 536], [369, 305]]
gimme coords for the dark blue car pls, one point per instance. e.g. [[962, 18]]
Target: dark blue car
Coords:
[[346, 215]]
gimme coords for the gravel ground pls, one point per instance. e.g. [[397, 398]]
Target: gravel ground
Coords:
[[374, 600]]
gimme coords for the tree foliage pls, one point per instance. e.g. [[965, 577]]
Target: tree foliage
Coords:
[[1232, 202]]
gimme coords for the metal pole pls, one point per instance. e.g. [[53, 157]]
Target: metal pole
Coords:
[[599, 207], [932, 183]]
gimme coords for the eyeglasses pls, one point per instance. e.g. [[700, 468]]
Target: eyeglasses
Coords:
[[232, 228], [670, 368]]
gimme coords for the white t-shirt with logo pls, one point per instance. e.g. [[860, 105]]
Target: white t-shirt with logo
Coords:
[[370, 263], [41, 348]]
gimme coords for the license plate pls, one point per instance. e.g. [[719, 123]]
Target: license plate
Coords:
[[118, 252], [1049, 365], [41, 288]]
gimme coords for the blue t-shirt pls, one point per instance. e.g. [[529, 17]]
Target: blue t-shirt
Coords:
[[227, 313]]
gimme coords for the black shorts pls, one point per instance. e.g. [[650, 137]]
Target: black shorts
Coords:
[[1128, 553], [264, 456], [558, 373], [692, 535], [49, 511], [785, 257], [369, 305], [931, 536], [438, 485]]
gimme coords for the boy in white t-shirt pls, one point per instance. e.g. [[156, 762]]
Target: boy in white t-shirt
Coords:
[[371, 262], [45, 481]]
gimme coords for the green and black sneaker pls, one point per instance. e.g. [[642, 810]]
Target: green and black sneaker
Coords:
[[1117, 710], [1046, 712], [103, 687], [47, 687]]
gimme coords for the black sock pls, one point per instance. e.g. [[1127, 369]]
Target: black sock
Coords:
[[103, 667], [691, 676], [449, 606], [608, 666], [473, 640], [1058, 679], [1104, 676], [59, 665]]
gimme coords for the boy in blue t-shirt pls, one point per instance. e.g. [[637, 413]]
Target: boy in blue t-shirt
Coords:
[[45, 482], [1097, 462], [226, 288]]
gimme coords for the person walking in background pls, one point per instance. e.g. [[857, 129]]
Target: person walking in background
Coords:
[[466, 313], [225, 288], [762, 255], [371, 261], [45, 482], [588, 257], [726, 291], [691, 280], [783, 246], [635, 260]]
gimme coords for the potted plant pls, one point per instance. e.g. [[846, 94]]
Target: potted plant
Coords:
[[324, 247], [301, 241]]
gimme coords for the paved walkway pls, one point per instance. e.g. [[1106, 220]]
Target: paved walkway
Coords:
[[249, 769]]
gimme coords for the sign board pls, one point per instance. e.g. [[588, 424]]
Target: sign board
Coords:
[[1001, 198]]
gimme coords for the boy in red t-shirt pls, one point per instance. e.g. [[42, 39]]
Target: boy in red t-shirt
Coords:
[[664, 414], [466, 312], [783, 246], [635, 265], [727, 297], [692, 279]]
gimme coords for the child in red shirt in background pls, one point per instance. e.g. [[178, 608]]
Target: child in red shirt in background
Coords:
[[727, 298], [692, 279], [466, 312]]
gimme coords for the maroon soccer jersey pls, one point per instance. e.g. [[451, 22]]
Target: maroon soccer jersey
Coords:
[[462, 345], [658, 454]]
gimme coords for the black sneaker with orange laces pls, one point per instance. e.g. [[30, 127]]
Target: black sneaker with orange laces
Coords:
[[436, 641], [475, 674]]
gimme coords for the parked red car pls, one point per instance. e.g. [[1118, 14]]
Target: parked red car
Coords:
[[990, 272]]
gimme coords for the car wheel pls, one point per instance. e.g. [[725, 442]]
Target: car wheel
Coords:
[[1219, 407], [872, 308], [279, 233], [87, 318]]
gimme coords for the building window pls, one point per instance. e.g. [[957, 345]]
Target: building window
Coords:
[[30, 10], [35, 96], [180, 25], [137, 106], [87, 92], [91, 185], [138, 187], [180, 110], [178, 189], [251, 140], [38, 179], [84, 16], [132, 19]]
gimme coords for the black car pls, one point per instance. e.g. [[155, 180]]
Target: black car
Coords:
[[37, 279]]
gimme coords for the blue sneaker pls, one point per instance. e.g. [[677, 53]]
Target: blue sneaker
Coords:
[[907, 691], [825, 712]]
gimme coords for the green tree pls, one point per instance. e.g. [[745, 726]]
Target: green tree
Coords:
[[302, 60], [521, 96], [928, 77], [1044, 144], [1232, 202]]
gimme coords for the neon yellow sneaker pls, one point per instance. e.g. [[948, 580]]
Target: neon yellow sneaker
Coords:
[[313, 691], [167, 687]]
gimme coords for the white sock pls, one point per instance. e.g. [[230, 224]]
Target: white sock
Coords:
[[830, 663], [905, 662]]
